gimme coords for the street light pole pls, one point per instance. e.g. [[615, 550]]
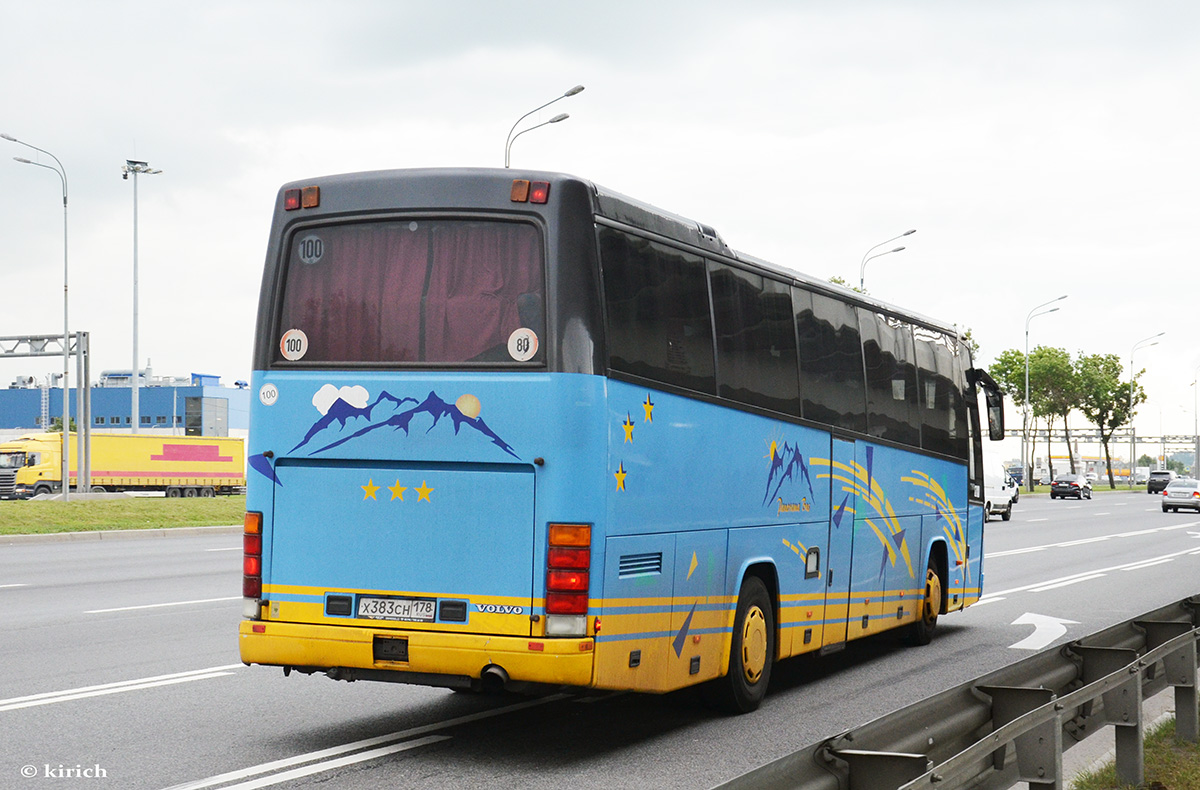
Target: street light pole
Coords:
[[1133, 434], [135, 167], [508, 141], [1025, 459], [862, 267], [66, 398]]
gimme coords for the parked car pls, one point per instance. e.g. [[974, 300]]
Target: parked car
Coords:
[[1181, 492], [1158, 480], [1071, 485], [1092, 477]]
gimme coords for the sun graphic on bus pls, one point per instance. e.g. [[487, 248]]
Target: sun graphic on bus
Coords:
[[469, 406]]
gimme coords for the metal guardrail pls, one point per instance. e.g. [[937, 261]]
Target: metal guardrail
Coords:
[[1014, 724]]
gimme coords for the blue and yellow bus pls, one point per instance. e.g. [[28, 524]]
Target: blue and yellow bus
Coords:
[[514, 428]]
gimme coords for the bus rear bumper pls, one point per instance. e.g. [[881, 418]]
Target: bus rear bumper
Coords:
[[419, 656]]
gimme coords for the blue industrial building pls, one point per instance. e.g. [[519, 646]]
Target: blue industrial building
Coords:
[[198, 406]]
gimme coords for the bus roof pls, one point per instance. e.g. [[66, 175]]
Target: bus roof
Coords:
[[460, 187]]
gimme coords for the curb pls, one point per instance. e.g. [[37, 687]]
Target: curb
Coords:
[[120, 534]]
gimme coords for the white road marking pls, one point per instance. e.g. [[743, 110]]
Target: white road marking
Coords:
[[330, 765], [160, 605], [346, 748], [1032, 520], [1045, 630], [1133, 534], [7, 586], [1147, 564], [51, 697], [1089, 575], [1068, 582]]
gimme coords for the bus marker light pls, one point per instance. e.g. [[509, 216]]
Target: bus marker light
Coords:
[[259, 628], [539, 191], [585, 647], [537, 646], [291, 199], [310, 197], [570, 535], [520, 191], [596, 625], [568, 581]]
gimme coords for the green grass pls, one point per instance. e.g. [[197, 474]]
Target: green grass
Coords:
[[1170, 762], [33, 518]]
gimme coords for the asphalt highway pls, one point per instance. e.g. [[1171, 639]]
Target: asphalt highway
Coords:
[[121, 670]]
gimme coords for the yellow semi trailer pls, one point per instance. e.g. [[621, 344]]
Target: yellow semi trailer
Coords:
[[186, 466]]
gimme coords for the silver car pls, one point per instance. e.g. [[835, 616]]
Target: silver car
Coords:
[[1181, 492]]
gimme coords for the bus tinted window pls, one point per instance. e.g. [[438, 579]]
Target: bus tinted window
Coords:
[[444, 291], [658, 318], [756, 339], [940, 400], [891, 378], [831, 367]]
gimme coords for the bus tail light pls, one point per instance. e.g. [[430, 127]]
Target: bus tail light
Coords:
[[568, 562], [252, 556]]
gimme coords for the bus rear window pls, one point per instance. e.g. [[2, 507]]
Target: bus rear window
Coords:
[[439, 291]]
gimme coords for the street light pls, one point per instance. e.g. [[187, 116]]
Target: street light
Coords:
[[508, 141], [66, 428], [862, 267], [135, 167], [1025, 412], [1145, 342]]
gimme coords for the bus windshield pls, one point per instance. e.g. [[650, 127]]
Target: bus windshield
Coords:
[[442, 291]]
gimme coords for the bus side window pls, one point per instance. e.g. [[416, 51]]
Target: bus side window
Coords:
[[756, 339], [891, 378], [659, 323], [831, 364]]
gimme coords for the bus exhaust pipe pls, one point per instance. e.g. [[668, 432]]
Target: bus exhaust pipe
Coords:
[[493, 678]]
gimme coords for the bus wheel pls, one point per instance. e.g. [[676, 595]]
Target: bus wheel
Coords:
[[173, 492], [750, 655], [921, 632]]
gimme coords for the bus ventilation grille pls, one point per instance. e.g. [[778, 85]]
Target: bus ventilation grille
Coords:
[[640, 564]]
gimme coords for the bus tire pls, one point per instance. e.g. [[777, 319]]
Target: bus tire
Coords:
[[751, 653], [921, 632]]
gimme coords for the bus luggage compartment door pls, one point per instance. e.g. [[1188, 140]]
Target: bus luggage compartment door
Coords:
[[444, 532]]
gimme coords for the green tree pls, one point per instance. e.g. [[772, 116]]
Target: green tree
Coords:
[[1105, 400], [1053, 393], [1058, 387]]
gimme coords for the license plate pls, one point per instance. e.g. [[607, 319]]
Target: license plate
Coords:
[[412, 610]]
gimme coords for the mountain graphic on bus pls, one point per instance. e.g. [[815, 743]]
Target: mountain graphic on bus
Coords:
[[342, 413], [786, 464]]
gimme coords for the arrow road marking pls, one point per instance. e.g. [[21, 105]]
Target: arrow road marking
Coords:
[[1045, 630]]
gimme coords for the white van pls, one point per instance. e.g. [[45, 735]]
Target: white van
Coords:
[[999, 491]]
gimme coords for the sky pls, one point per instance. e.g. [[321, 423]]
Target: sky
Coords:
[[1038, 148]]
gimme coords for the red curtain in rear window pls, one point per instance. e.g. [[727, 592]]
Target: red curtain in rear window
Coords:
[[441, 291]]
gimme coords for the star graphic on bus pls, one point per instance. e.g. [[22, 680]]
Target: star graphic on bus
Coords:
[[369, 489], [398, 491], [628, 426], [620, 474], [649, 407], [423, 492]]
